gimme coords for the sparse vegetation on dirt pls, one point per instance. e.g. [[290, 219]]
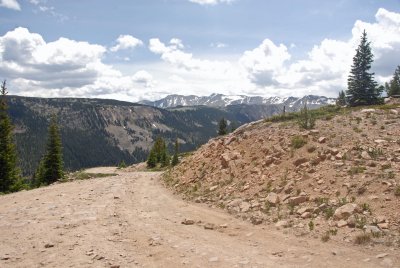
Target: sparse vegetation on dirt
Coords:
[[362, 238], [306, 119], [397, 191], [298, 142], [82, 175], [325, 237], [323, 113], [273, 172]]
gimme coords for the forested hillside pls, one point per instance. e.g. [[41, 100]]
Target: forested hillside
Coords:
[[105, 132], [97, 132]]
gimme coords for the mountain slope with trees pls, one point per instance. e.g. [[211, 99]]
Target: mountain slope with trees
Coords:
[[99, 132], [9, 173]]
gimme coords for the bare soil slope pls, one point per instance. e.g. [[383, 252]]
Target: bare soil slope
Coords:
[[339, 181], [131, 220]]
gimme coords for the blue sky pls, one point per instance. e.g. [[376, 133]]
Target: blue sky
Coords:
[[141, 49]]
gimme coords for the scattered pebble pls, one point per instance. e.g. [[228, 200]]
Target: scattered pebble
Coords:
[[188, 222], [209, 226], [382, 255]]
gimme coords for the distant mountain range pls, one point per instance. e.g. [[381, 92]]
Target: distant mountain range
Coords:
[[98, 132], [220, 100]]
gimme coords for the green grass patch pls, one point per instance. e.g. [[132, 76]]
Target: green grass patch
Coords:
[[298, 142], [356, 170], [324, 113]]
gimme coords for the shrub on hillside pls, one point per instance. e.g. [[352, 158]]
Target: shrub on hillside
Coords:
[[306, 118], [298, 142]]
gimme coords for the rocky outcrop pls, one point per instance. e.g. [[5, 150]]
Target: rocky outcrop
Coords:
[[344, 173], [345, 211]]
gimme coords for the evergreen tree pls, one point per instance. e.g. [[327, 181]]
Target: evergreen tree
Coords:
[[51, 166], [393, 88], [9, 173], [222, 127], [158, 149], [152, 159], [341, 100], [165, 160], [38, 175], [122, 164], [158, 154], [175, 159], [233, 126], [362, 88]]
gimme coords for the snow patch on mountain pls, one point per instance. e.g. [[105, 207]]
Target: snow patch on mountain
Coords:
[[220, 100]]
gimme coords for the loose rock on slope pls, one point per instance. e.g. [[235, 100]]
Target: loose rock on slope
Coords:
[[348, 158]]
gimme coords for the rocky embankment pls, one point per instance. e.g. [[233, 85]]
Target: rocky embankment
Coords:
[[337, 181]]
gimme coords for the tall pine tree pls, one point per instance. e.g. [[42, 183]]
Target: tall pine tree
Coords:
[[222, 127], [362, 88], [165, 159], [9, 173], [175, 158], [152, 159], [341, 100], [393, 88], [51, 166]]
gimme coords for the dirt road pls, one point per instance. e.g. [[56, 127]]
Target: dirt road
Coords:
[[131, 220]]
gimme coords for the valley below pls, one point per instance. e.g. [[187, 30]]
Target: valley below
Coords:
[[98, 132], [132, 220]]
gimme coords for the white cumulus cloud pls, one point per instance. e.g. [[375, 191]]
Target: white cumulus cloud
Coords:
[[269, 68], [190, 74], [173, 53], [384, 35], [265, 63], [327, 66], [11, 4], [324, 71], [63, 68], [126, 42], [176, 43], [62, 63], [143, 77]]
